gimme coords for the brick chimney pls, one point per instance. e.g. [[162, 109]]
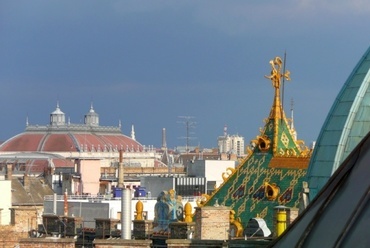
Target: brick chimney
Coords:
[[65, 205], [120, 170], [233, 157]]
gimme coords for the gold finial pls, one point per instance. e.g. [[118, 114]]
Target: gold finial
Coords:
[[139, 210], [188, 213], [276, 74]]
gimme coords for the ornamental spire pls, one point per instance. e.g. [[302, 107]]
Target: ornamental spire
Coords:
[[275, 77], [133, 132]]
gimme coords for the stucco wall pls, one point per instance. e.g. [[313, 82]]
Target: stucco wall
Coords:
[[6, 201], [90, 175]]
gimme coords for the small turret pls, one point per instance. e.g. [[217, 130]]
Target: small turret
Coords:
[[57, 118], [92, 118]]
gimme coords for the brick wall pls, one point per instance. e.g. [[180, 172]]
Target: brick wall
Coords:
[[46, 243], [187, 243], [212, 223], [9, 237], [24, 219], [122, 243]]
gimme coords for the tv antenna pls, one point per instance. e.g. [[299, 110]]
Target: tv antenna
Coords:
[[189, 124]]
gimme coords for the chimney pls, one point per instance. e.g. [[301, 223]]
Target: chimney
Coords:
[[9, 171], [26, 181], [233, 157], [120, 170], [65, 203]]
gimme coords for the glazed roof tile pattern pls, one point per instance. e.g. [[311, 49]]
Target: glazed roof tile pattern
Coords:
[[69, 142], [346, 125], [271, 175], [245, 190]]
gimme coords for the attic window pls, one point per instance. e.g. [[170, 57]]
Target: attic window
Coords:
[[264, 143]]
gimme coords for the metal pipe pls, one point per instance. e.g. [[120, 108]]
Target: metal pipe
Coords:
[[120, 170], [55, 203], [126, 214]]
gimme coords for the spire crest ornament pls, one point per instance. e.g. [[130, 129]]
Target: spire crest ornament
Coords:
[[276, 77], [276, 74]]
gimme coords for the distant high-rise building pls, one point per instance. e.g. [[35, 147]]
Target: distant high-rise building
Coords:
[[231, 144]]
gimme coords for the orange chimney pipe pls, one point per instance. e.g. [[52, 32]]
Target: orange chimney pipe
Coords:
[[120, 170]]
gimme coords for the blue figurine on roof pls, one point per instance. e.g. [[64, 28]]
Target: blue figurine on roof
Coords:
[[169, 208]]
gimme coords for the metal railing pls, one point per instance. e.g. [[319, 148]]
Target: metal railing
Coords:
[[99, 198]]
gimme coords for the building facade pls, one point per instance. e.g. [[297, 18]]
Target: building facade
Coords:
[[231, 144], [77, 152]]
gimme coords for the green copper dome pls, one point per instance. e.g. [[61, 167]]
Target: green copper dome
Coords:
[[346, 124]]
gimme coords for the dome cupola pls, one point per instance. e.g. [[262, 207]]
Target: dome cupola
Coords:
[[92, 118], [57, 117]]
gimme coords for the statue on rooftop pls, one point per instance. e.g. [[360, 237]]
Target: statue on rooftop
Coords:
[[169, 208], [276, 74]]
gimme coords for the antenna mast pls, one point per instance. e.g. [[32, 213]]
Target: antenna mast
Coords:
[[189, 124]]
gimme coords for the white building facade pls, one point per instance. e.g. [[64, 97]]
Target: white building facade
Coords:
[[231, 144]]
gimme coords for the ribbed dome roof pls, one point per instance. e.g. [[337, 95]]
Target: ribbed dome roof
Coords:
[[69, 142], [88, 137]]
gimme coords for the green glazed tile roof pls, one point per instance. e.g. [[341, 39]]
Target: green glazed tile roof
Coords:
[[273, 172]]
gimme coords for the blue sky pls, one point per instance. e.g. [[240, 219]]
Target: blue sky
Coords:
[[148, 62]]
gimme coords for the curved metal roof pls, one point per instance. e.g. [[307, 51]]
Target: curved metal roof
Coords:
[[347, 123]]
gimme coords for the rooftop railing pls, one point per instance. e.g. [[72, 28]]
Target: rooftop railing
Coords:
[[99, 198]]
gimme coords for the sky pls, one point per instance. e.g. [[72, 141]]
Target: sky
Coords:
[[158, 64]]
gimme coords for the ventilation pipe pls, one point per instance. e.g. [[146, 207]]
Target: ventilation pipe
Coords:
[[55, 203], [126, 214], [120, 170]]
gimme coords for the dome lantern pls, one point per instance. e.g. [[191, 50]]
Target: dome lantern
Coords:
[[57, 117], [92, 118]]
